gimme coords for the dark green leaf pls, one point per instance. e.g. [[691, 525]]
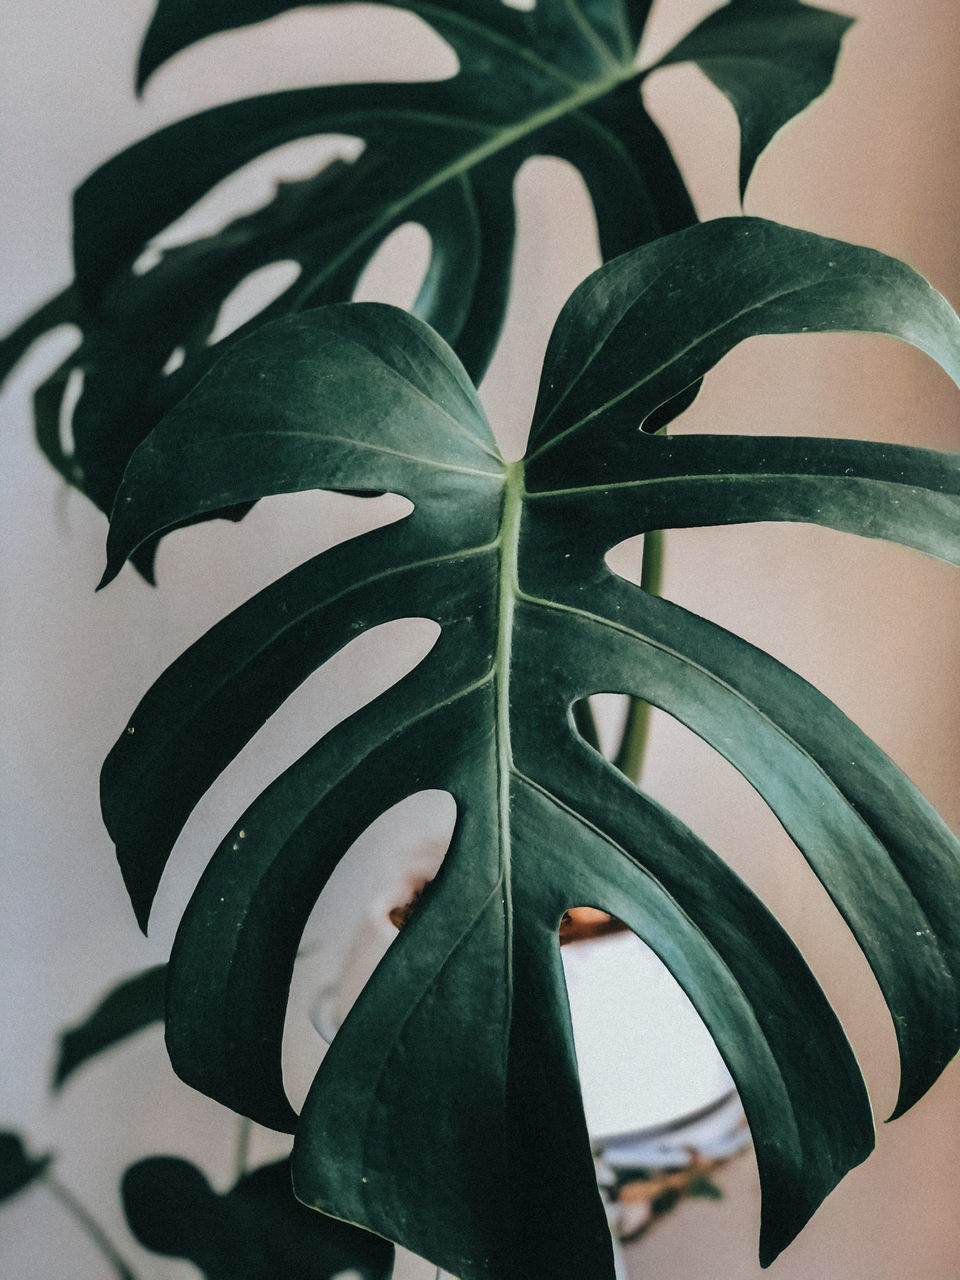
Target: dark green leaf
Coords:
[[558, 80], [595, 32], [177, 24], [129, 1007], [17, 1168], [771, 58], [383, 369], [446, 1113], [748, 276], [257, 1230]]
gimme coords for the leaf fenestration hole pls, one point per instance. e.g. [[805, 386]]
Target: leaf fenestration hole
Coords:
[[350, 929], [644, 1055], [396, 271], [71, 395], [351, 678], [149, 258], [361, 42], [222, 565], [249, 189], [626, 559], [556, 247], [606, 715], [695, 782], [174, 360], [255, 292]]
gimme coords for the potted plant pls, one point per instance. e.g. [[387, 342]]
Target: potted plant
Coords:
[[391, 345]]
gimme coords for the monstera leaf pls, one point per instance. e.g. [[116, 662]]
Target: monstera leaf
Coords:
[[559, 80], [446, 1114], [256, 1230]]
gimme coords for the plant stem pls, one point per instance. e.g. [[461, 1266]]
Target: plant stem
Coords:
[[241, 1155], [583, 718], [89, 1225], [633, 744]]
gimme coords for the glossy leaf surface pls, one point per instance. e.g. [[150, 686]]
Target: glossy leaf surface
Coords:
[[257, 1230], [129, 1007], [558, 80], [446, 1113]]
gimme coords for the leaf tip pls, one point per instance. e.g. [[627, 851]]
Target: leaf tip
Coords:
[[147, 64], [61, 1070], [141, 912], [117, 557]]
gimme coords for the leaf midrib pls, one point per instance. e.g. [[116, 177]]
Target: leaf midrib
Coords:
[[508, 595], [490, 35], [499, 141], [350, 442]]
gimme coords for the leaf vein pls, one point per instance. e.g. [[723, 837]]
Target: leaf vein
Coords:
[[763, 716], [757, 305]]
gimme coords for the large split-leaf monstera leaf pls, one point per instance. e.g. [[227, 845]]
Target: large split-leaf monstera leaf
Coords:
[[446, 1114], [559, 80]]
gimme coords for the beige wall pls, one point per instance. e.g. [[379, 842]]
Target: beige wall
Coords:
[[875, 162]]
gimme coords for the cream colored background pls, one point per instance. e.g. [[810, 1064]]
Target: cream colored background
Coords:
[[876, 162]]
